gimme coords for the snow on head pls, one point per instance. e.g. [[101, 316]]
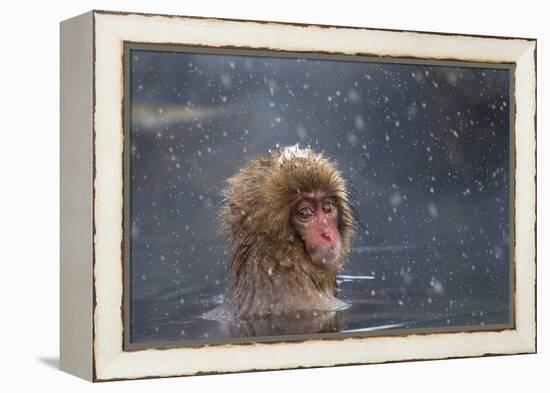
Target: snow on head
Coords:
[[290, 152]]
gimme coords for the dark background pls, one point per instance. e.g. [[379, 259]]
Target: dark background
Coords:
[[425, 149]]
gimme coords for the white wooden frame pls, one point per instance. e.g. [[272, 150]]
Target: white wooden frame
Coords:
[[92, 195]]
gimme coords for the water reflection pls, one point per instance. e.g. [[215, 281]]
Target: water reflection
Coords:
[[304, 323], [380, 312]]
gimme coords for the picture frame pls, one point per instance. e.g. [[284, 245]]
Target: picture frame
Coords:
[[96, 114]]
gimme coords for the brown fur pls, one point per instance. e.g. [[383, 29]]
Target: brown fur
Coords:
[[270, 271]]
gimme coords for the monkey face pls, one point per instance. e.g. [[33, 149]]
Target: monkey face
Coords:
[[315, 219]]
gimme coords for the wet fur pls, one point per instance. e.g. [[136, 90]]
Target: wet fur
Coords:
[[270, 271]]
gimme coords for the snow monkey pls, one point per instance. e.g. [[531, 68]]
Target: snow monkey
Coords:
[[288, 220]]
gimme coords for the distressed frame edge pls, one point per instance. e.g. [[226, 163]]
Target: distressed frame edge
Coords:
[[525, 194], [525, 339], [304, 24], [76, 196]]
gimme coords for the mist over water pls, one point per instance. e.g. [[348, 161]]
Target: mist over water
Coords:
[[424, 149]]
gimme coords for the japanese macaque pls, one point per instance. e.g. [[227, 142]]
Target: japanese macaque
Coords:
[[288, 221]]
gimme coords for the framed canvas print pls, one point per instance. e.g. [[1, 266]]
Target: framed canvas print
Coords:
[[245, 195]]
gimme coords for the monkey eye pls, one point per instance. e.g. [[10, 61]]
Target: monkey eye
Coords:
[[328, 206], [304, 213]]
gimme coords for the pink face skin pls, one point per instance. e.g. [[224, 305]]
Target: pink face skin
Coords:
[[316, 221]]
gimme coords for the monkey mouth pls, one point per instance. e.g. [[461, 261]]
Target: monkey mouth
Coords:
[[326, 256]]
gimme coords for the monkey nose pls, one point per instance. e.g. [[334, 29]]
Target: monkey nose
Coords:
[[327, 236]]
